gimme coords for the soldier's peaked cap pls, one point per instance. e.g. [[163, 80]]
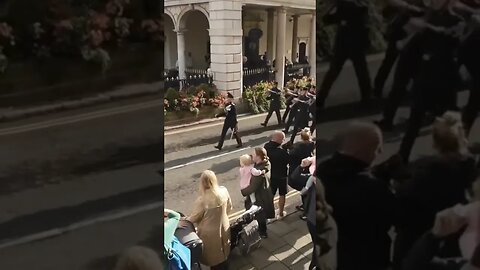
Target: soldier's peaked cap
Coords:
[[229, 95]]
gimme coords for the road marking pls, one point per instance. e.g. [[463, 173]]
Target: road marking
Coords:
[[79, 225], [205, 159], [79, 118], [212, 124]]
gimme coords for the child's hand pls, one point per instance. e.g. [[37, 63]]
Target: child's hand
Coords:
[[264, 172]]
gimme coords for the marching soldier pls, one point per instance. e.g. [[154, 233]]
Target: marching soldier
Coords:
[[312, 110], [437, 77], [230, 123], [293, 110], [403, 11], [302, 115], [275, 105], [470, 58], [351, 42]]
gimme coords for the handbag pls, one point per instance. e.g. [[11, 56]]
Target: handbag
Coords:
[[178, 256], [249, 238], [298, 179], [188, 236]]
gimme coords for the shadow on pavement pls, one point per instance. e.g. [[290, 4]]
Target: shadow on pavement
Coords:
[[64, 216], [125, 157]]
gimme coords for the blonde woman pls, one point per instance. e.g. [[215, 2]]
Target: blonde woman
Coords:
[[437, 182], [139, 258], [210, 215]]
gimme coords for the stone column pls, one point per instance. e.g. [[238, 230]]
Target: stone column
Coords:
[[181, 53], [280, 51], [270, 34], [294, 38], [226, 38], [312, 58]]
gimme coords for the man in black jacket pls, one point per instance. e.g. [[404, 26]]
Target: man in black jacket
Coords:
[[362, 205], [230, 122], [275, 104], [279, 159]]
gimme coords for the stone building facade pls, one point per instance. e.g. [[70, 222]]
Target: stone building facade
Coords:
[[219, 33]]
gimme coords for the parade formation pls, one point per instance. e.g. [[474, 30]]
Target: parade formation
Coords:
[[365, 211]]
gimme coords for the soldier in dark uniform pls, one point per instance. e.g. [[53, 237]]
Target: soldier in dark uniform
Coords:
[[230, 113], [351, 42], [469, 56], [302, 115], [437, 78], [408, 61], [275, 105], [289, 102], [402, 12], [312, 110], [293, 111]]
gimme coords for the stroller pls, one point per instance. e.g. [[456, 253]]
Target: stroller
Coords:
[[187, 235], [244, 232]]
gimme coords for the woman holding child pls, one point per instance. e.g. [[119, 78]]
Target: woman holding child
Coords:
[[259, 187]]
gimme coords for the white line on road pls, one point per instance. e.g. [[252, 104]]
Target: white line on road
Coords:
[[79, 118], [78, 225], [211, 124], [205, 159]]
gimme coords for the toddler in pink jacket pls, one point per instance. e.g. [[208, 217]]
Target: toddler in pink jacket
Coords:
[[247, 170]]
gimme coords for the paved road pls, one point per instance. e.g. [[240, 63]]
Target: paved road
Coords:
[[63, 168], [66, 159], [90, 248]]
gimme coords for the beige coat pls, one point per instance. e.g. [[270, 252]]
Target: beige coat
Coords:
[[213, 227]]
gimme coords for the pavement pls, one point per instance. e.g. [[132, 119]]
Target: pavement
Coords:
[[80, 178], [289, 246]]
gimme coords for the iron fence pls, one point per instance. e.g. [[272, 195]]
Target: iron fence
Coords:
[[194, 77], [256, 75]]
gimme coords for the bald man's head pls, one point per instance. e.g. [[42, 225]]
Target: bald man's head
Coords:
[[278, 137], [362, 140]]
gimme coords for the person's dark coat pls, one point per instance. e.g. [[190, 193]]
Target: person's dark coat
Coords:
[[299, 151], [363, 209], [302, 116], [230, 114], [260, 186], [274, 98], [279, 159], [436, 183]]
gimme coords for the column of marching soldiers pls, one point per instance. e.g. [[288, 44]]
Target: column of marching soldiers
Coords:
[[428, 40]]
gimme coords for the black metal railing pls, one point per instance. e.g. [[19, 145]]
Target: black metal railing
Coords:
[[256, 75], [297, 71], [194, 77]]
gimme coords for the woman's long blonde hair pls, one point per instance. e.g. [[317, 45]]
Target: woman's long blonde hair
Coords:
[[449, 135], [209, 182]]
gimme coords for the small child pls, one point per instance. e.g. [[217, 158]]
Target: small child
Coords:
[[246, 172]]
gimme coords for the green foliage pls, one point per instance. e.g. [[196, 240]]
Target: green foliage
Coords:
[[171, 95]]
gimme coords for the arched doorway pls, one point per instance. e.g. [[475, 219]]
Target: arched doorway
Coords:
[[197, 40], [170, 51], [302, 52]]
